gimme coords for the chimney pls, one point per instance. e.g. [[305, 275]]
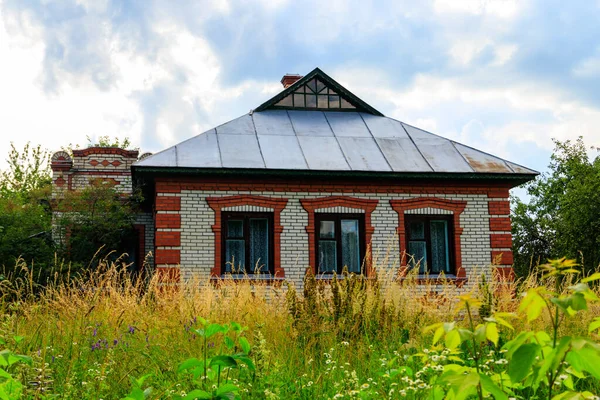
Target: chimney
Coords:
[[289, 79]]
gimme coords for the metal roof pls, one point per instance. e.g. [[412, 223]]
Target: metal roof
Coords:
[[299, 140]]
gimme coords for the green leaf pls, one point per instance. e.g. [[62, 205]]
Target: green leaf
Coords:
[[213, 329], [514, 344], [491, 333], [439, 332], [452, 339], [223, 361], [532, 304], [489, 386], [245, 345], [585, 359], [198, 394], [229, 342], [189, 364], [245, 360], [227, 388], [522, 360], [591, 278], [594, 325]]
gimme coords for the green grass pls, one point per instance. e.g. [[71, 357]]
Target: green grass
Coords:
[[92, 337]]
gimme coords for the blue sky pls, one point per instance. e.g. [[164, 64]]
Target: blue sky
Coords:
[[500, 75]]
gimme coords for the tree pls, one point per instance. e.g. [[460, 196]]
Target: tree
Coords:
[[28, 170], [96, 220], [562, 217], [25, 215]]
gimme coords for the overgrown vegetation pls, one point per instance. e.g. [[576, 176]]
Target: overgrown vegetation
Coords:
[[562, 216], [97, 217], [105, 336]]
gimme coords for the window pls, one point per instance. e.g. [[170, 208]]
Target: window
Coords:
[[340, 242], [248, 242], [315, 94], [429, 243]]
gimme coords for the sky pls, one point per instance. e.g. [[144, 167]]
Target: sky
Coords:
[[502, 76]]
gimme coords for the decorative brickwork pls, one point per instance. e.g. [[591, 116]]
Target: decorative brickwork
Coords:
[[195, 218], [276, 204], [456, 207], [99, 166], [313, 205]]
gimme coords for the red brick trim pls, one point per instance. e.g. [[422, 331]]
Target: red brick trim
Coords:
[[501, 241], [457, 207], [167, 256], [277, 204], [500, 224], [499, 207], [101, 172], [167, 239], [168, 203], [341, 186], [169, 221], [499, 193], [311, 205], [106, 150]]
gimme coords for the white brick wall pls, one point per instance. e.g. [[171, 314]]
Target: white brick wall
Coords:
[[197, 238]]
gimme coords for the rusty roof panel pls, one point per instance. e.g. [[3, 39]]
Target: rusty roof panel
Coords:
[[482, 162], [439, 152], [519, 169]]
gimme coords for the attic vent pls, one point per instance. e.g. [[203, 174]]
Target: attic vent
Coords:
[[316, 95]]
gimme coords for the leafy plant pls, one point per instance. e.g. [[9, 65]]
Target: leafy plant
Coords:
[[213, 372], [538, 364]]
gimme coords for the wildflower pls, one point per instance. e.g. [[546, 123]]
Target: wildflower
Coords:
[[345, 343], [364, 386], [131, 329]]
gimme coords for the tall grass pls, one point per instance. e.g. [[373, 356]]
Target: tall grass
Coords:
[[88, 335]]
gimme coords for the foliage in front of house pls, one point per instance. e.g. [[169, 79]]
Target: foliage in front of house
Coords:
[[108, 337]]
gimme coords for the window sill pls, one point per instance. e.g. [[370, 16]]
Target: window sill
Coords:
[[422, 279], [263, 278]]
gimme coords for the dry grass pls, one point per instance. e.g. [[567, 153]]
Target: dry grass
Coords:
[[145, 326]]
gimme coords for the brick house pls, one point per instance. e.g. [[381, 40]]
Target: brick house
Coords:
[[316, 179]]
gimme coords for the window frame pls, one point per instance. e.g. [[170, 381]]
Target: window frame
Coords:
[[337, 218], [226, 216], [427, 218]]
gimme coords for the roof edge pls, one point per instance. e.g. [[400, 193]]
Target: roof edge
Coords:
[[517, 178]]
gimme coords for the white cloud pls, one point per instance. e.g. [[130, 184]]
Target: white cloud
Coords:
[[588, 68], [186, 67], [496, 8]]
